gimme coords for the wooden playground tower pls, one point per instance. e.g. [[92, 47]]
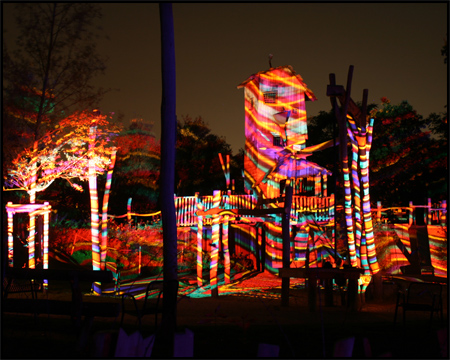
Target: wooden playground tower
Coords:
[[286, 200], [286, 195]]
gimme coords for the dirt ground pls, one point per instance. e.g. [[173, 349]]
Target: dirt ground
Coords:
[[234, 325]]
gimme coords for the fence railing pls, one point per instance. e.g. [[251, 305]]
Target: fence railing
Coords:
[[186, 207], [322, 208], [432, 214]]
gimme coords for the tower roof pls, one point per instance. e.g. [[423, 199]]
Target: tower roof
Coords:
[[289, 70]]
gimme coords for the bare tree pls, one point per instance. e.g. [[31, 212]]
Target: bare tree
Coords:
[[48, 74]]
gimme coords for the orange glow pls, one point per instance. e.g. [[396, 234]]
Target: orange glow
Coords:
[[33, 210]]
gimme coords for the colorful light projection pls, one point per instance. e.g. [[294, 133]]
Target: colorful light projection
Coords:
[[215, 244], [216, 238], [275, 130], [354, 124], [104, 241], [361, 140], [199, 246], [226, 169], [33, 210], [94, 203], [85, 140], [438, 240]]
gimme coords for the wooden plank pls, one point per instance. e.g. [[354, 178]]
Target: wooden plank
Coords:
[[271, 201], [321, 273], [286, 239], [335, 90], [60, 307], [239, 212], [57, 274]]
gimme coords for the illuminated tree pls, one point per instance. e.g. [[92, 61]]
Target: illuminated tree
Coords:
[[80, 147], [138, 167], [49, 73]]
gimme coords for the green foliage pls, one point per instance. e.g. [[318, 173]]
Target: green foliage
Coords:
[[197, 162], [406, 164], [82, 256], [408, 156]]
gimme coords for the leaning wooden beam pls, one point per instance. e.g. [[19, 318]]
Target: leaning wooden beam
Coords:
[[286, 255], [226, 251]]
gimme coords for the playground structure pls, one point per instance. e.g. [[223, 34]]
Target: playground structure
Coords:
[[286, 218], [33, 210]]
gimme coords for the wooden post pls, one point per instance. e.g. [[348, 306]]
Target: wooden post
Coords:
[[226, 252], [411, 214], [129, 211], [199, 244], [378, 211], [443, 213], [10, 236], [215, 228], [165, 341], [286, 256], [352, 294], [312, 291]]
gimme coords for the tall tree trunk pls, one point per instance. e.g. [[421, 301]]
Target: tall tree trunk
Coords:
[[32, 225], [31, 241], [164, 345], [104, 242], [93, 194]]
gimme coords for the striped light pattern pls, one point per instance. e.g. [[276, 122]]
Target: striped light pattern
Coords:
[[361, 140], [10, 237], [276, 130], [215, 242], [226, 251], [93, 194], [94, 206], [104, 243], [199, 246], [33, 210], [226, 168]]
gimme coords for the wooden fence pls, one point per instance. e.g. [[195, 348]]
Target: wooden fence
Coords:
[[430, 214], [186, 207]]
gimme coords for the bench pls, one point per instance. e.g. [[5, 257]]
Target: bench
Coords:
[[419, 296], [148, 307], [76, 308], [314, 274]]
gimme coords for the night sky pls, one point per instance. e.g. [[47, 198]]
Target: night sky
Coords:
[[395, 50]]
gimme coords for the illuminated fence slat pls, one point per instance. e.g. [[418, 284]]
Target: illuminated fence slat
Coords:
[[199, 247], [226, 251], [215, 244], [434, 214], [10, 239], [31, 241], [186, 207]]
